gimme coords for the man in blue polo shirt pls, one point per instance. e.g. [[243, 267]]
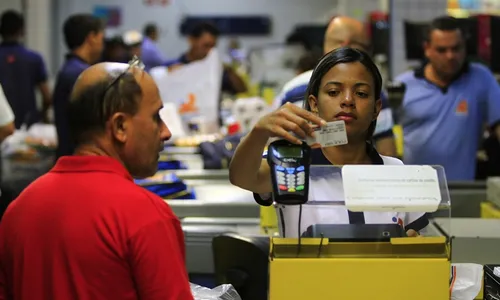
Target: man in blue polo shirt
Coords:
[[84, 37], [151, 56], [202, 38], [22, 71], [344, 31], [446, 104]]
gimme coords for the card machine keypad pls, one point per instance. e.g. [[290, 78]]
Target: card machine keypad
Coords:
[[289, 165], [290, 179]]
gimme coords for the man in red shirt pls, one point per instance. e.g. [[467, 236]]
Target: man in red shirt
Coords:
[[85, 230]]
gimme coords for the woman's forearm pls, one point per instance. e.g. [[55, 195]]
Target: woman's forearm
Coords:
[[247, 169]]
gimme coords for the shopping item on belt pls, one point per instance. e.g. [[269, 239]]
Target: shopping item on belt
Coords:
[[218, 154], [167, 186]]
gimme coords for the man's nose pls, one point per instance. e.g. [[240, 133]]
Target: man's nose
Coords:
[[450, 54], [165, 133]]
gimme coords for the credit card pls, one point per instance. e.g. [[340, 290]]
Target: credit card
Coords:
[[330, 135]]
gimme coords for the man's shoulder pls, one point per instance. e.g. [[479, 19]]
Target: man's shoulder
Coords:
[[479, 71], [294, 90], [70, 72], [299, 80], [172, 62], [406, 77], [34, 55]]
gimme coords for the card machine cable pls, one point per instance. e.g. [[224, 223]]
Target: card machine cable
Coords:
[[289, 164]]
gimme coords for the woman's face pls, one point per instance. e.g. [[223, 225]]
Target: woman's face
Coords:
[[347, 92]]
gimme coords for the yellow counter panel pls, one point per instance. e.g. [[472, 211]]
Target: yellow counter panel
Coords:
[[410, 269]]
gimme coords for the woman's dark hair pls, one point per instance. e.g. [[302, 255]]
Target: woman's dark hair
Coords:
[[341, 56]]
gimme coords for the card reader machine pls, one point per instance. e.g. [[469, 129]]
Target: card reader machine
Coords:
[[289, 164]]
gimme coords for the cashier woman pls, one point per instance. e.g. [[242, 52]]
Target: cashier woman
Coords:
[[345, 85]]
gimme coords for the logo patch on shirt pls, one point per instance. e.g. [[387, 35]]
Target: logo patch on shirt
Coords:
[[462, 107], [11, 59], [399, 221]]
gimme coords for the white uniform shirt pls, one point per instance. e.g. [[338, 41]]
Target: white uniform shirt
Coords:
[[329, 188]]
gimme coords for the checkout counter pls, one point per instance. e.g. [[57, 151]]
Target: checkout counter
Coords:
[[332, 261], [222, 208]]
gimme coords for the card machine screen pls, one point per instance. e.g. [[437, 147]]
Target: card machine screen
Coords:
[[289, 164], [295, 152]]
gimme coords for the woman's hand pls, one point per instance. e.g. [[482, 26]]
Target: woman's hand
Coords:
[[287, 120], [412, 233]]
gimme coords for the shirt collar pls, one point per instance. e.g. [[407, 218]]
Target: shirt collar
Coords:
[[80, 164], [318, 158], [72, 56], [183, 59], [10, 43], [420, 73]]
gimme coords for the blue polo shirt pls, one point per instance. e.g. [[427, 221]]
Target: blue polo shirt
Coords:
[[227, 86], [151, 55], [21, 70], [295, 90], [66, 78], [442, 126]]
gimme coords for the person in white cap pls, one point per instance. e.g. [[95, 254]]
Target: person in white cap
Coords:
[[133, 42]]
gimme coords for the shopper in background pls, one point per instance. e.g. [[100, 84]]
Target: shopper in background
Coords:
[[152, 56], [84, 37], [114, 50], [132, 40], [202, 38], [446, 103], [22, 72], [344, 31], [85, 230]]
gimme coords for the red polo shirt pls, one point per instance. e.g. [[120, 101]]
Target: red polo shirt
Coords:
[[85, 230]]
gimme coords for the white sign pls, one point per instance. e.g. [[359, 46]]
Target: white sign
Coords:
[[173, 120], [194, 88], [391, 188]]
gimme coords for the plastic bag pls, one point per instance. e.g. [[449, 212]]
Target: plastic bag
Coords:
[[466, 281], [222, 292]]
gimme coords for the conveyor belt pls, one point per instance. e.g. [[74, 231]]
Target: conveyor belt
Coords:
[[214, 208], [474, 240]]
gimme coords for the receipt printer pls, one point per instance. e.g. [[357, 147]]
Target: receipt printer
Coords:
[[289, 164]]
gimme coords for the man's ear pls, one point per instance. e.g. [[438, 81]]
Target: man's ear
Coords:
[[426, 46], [313, 103], [378, 108], [119, 126], [191, 41]]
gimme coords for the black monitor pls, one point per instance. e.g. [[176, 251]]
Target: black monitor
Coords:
[[414, 39], [310, 36], [242, 262], [380, 37], [469, 28], [495, 44]]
